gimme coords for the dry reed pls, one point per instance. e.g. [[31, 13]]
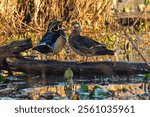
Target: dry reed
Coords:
[[20, 19]]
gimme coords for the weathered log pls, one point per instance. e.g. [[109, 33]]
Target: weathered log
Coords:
[[14, 48], [32, 66]]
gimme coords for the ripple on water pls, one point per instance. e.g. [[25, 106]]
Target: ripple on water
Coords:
[[23, 87]]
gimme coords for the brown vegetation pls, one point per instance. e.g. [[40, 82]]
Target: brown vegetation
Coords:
[[29, 18]]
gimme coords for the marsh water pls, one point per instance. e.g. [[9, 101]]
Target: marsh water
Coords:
[[24, 87]]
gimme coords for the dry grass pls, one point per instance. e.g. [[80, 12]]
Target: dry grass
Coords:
[[20, 19], [20, 16]]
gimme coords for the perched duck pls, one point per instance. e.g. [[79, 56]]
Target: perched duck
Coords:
[[54, 39], [85, 46]]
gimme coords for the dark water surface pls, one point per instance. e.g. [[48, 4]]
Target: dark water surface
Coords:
[[29, 87]]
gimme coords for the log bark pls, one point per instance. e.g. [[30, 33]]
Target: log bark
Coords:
[[12, 49], [32, 66]]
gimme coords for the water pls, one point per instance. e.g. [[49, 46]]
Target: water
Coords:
[[52, 87]]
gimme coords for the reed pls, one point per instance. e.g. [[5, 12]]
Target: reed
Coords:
[[21, 19]]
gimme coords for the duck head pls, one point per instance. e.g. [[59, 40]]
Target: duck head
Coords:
[[76, 26], [55, 25]]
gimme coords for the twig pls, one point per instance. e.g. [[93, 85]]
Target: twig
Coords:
[[28, 26]]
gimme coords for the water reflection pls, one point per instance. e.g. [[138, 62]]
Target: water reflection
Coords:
[[51, 80], [52, 87]]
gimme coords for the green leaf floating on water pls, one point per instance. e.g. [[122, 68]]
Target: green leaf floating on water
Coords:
[[147, 76], [100, 92], [2, 78], [83, 91], [84, 88]]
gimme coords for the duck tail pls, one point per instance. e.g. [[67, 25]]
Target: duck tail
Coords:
[[100, 51]]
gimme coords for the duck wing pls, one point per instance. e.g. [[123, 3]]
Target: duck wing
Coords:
[[102, 50], [86, 42], [47, 43], [49, 38], [95, 47], [90, 42]]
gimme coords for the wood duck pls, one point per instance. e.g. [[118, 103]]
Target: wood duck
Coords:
[[85, 46], [54, 39]]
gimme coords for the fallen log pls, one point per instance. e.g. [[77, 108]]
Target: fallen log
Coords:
[[33, 66], [13, 49]]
